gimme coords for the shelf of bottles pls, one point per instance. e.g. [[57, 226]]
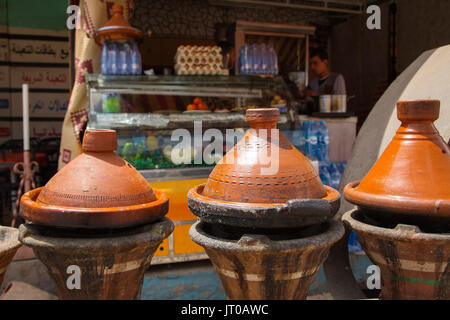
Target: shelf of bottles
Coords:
[[258, 59]]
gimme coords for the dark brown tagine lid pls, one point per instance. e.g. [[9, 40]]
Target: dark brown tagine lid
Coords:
[[117, 28], [264, 182], [98, 189], [410, 182]]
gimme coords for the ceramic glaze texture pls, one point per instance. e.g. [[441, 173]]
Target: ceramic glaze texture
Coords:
[[412, 176], [245, 175], [98, 189]]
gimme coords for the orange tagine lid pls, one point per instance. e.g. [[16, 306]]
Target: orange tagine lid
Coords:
[[261, 179], [117, 28], [98, 189], [411, 179]]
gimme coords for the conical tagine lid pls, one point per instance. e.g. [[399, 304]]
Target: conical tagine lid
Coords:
[[412, 176], [263, 170], [98, 189], [117, 28]]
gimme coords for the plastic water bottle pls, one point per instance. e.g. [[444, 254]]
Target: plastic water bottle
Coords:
[[264, 59], [260, 58], [299, 139], [275, 62], [273, 68], [335, 175], [125, 58], [136, 61], [323, 142], [250, 59], [324, 173], [247, 61], [112, 59], [312, 139], [342, 167], [255, 59], [104, 59], [305, 126]]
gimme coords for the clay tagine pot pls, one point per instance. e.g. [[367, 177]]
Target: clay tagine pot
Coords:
[[264, 182], [410, 181], [117, 28], [98, 189]]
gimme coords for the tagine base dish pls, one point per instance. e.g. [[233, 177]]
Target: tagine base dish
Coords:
[[92, 218], [293, 213], [423, 212]]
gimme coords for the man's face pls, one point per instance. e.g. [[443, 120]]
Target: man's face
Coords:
[[318, 66]]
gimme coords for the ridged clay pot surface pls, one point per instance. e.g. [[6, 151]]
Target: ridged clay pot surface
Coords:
[[410, 182], [98, 189]]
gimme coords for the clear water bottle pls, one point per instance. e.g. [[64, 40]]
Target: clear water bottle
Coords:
[[273, 66], [247, 61], [324, 173], [104, 59], [312, 140], [298, 139], [265, 61], [112, 59], [136, 61], [305, 126], [275, 62], [342, 167], [250, 59], [256, 59], [323, 142], [335, 175], [125, 58], [259, 58]]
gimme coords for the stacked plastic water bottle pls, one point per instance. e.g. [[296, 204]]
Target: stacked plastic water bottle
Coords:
[[316, 148], [258, 59], [121, 58]]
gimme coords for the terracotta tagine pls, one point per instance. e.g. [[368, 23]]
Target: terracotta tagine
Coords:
[[117, 28], [98, 189], [410, 181], [264, 182]]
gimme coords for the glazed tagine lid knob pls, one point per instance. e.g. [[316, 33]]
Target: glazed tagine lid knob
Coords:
[[117, 28], [411, 178], [96, 189], [263, 170]]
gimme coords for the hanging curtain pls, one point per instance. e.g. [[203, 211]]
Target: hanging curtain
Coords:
[[94, 14]]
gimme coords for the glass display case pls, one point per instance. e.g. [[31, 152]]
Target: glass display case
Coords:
[[146, 111]]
